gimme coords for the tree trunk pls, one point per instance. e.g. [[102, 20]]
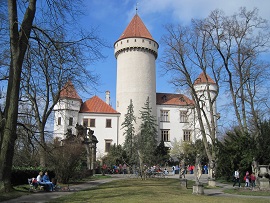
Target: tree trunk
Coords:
[[18, 47]]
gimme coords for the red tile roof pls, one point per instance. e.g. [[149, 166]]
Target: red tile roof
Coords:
[[203, 78], [69, 91], [97, 105], [136, 28], [173, 99]]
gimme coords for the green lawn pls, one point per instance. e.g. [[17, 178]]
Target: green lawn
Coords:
[[151, 190]]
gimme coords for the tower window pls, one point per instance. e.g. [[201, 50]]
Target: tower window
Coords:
[[143, 40], [59, 121], [70, 121], [134, 40], [127, 41], [149, 42], [187, 135], [92, 122], [108, 123], [165, 116], [165, 135]]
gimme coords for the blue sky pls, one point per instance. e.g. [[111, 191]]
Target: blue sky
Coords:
[[112, 17]]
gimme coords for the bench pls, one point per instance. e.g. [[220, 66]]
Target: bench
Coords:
[[34, 185]]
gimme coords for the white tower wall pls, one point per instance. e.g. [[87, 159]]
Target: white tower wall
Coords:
[[201, 89], [136, 76]]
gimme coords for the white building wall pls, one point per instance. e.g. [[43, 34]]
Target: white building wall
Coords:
[[174, 125], [65, 109], [100, 131], [136, 76]]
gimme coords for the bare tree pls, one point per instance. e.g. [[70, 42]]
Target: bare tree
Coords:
[[50, 63], [45, 32], [189, 53], [239, 40]]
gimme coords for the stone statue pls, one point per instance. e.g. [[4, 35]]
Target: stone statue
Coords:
[[255, 167], [182, 173], [198, 169], [69, 133]]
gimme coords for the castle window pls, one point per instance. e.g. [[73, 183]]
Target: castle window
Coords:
[[187, 135], [143, 40], [165, 115], [59, 121], [149, 42], [108, 123], [183, 117], [165, 135], [134, 40], [70, 121], [108, 145], [92, 122], [85, 122]]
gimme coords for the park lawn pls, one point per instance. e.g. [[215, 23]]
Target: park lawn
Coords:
[[22, 190], [247, 192], [150, 190]]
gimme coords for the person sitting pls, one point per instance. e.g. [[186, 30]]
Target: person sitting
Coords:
[[47, 181], [40, 180]]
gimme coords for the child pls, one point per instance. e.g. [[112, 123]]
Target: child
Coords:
[[252, 180], [247, 179]]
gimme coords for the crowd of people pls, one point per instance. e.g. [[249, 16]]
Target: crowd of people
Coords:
[[172, 170]]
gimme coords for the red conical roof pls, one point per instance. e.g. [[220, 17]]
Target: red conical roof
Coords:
[[136, 28], [69, 91], [204, 78]]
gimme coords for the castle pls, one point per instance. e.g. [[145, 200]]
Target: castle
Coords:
[[136, 52]]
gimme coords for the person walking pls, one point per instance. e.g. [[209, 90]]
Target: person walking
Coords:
[[236, 178], [247, 179]]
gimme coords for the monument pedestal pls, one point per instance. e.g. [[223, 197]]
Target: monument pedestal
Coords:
[[183, 183], [264, 183], [198, 189], [211, 182]]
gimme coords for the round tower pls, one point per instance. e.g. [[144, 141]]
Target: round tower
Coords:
[[136, 52], [200, 86]]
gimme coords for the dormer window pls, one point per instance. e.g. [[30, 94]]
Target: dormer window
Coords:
[[181, 98], [164, 98]]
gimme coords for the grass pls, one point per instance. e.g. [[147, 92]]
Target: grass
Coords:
[[17, 192], [151, 190], [247, 192], [133, 190], [22, 190]]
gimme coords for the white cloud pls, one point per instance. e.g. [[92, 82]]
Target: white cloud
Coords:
[[185, 10]]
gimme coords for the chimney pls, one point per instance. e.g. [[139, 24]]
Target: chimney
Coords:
[[108, 97]]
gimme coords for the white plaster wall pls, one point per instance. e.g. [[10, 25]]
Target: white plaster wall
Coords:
[[136, 77], [174, 125], [100, 131], [65, 109]]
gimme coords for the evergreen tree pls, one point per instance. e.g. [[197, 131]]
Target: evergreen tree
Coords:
[[129, 133], [147, 139], [162, 154], [263, 143]]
